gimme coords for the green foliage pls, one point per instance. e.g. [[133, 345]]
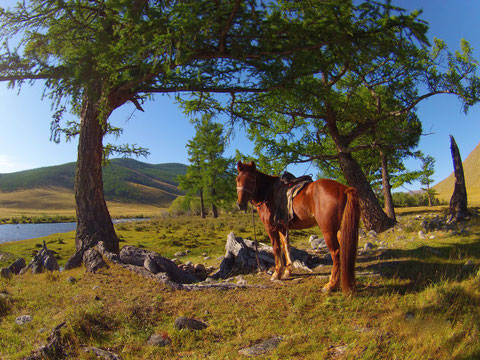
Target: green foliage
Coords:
[[404, 199], [209, 172]]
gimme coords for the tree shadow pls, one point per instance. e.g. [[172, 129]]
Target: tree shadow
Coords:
[[423, 266]]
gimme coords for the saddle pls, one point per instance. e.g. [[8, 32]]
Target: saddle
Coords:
[[284, 191]]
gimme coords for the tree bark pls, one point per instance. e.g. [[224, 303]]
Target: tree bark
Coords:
[[458, 202], [202, 206], [387, 188], [373, 216], [94, 223]]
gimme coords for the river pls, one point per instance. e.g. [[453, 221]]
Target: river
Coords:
[[15, 232]]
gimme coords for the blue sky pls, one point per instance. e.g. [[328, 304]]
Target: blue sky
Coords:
[[164, 130]]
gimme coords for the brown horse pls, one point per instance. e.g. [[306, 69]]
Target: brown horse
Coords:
[[330, 205]]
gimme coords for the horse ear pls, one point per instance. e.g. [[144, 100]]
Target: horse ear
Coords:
[[252, 165], [239, 166]]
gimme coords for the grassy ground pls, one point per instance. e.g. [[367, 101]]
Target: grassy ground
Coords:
[[416, 299]]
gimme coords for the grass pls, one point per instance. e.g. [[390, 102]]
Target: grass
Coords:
[[416, 299]]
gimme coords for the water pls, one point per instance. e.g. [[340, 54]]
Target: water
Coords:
[[15, 232]]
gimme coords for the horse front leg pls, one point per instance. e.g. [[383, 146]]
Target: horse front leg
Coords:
[[286, 252], [277, 253]]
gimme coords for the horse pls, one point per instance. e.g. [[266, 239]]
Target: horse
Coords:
[[332, 206]]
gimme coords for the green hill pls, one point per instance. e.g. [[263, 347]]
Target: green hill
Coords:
[[471, 169], [125, 180]]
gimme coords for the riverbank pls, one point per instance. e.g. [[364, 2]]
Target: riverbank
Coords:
[[16, 215]]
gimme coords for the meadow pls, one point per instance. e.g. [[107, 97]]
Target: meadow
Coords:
[[416, 298]]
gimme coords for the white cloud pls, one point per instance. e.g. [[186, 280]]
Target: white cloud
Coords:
[[9, 164]]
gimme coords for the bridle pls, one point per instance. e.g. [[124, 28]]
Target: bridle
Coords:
[[248, 191]]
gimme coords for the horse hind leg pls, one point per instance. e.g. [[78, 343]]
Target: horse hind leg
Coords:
[[286, 252], [333, 245]]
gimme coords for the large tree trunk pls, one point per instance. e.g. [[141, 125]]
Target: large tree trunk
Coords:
[[94, 223], [458, 203], [373, 216], [387, 188]]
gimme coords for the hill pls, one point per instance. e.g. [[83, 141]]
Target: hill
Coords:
[[471, 168], [125, 180]]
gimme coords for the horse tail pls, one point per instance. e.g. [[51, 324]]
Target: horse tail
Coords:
[[349, 240]]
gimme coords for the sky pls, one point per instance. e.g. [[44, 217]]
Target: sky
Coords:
[[163, 129]]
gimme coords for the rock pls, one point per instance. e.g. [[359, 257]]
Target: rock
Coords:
[[206, 258], [179, 254], [189, 264], [361, 232], [101, 353], [409, 315], [421, 235], [204, 254], [93, 261], [372, 234], [328, 257], [262, 348], [50, 262], [318, 243], [5, 273], [17, 266], [21, 320], [150, 264], [200, 268], [71, 280], [189, 323], [159, 340], [368, 246]]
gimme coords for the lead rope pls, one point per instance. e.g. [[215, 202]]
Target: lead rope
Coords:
[[256, 242]]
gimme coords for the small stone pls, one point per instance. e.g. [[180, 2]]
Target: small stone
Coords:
[[21, 320], [95, 287], [421, 235], [206, 258], [318, 243], [179, 254], [262, 348], [176, 261], [188, 263], [368, 246], [189, 323], [204, 254], [432, 237], [5, 273], [187, 251], [71, 280], [42, 330], [372, 234], [409, 315], [199, 268], [312, 238], [159, 340]]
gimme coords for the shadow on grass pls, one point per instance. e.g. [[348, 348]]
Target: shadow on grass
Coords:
[[423, 266]]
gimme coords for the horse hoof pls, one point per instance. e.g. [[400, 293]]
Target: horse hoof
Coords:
[[286, 274], [327, 289], [275, 277]]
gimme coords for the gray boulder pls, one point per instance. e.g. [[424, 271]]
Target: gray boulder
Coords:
[[17, 266]]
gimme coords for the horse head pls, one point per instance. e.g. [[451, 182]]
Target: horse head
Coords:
[[246, 182]]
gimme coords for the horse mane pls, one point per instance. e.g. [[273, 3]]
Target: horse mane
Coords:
[[264, 187]]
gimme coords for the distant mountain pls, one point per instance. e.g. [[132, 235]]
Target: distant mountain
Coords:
[[471, 169], [124, 180]]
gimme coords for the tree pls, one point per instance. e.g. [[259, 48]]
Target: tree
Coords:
[[457, 210], [209, 174], [426, 172], [351, 87], [95, 56]]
